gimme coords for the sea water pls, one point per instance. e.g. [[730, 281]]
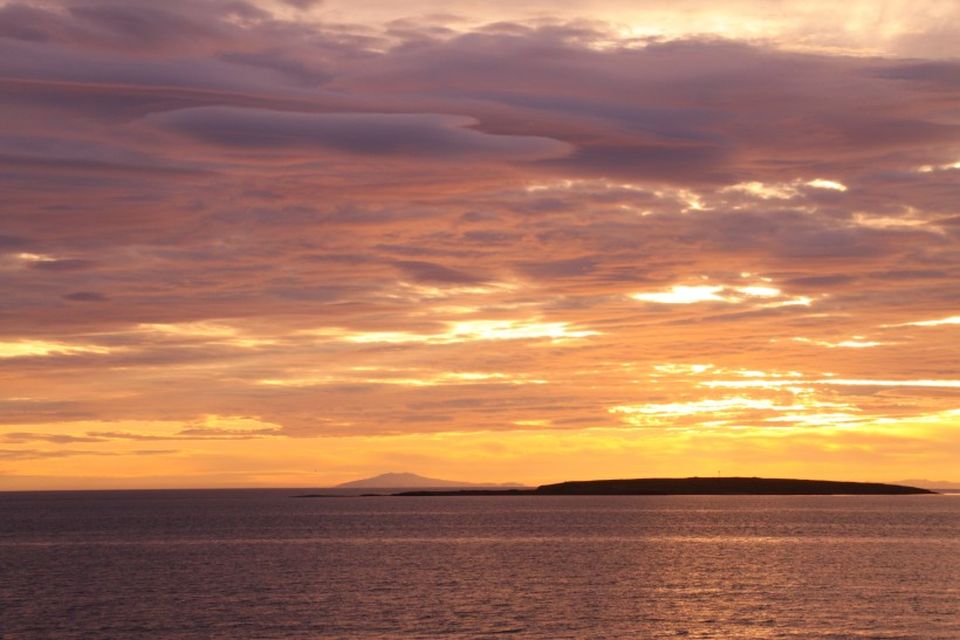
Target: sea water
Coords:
[[264, 565]]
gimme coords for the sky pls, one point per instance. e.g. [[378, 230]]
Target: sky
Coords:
[[294, 243]]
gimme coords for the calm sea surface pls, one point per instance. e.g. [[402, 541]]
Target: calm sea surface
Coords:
[[262, 565]]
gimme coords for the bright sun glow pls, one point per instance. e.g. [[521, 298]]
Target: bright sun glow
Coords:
[[682, 294], [832, 185], [478, 330], [692, 294], [952, 320], [39, 348]]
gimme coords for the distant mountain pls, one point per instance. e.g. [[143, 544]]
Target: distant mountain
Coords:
[[412, 481]]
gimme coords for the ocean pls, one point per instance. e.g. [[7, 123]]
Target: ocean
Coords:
[[260, 564]]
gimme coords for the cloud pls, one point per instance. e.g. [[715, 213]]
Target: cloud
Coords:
[[48, 437], [406, 135], [62, 265], [431, 272], [303, 5], [571, 267], [34, 454], [85, 296], [463, 231]]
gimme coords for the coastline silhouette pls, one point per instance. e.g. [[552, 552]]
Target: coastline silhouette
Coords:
[[677, 486]]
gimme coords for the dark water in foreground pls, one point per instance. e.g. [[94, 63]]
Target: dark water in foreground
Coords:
[[261, 565]]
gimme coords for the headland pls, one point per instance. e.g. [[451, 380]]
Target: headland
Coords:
[[689, 486]]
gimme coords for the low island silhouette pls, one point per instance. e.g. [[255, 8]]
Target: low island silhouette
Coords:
[[678, 486]]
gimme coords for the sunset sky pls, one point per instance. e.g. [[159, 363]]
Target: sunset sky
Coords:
[[294, 243]]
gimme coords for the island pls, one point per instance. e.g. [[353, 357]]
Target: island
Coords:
[[734, 486]]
